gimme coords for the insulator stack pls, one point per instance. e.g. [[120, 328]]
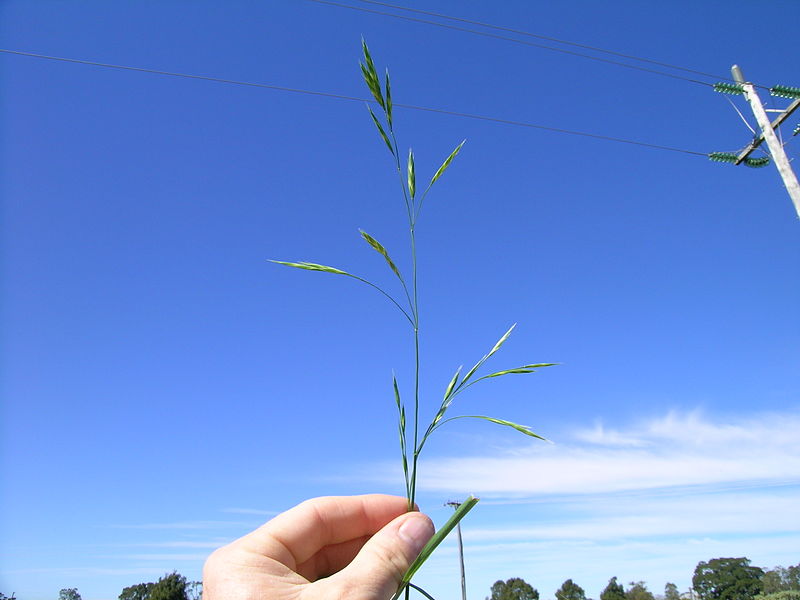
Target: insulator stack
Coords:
[[785, 91], [755, 163], [728, 88], [730, 157], [727, 157]]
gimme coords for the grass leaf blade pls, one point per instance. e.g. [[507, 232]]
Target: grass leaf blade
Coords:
[[420, 590], [401, 426], [434, 542]]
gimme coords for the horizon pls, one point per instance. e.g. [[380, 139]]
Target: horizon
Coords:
[[166, 389]]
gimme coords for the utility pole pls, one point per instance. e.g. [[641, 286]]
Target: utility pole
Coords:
[[455, 505], [767, 131]]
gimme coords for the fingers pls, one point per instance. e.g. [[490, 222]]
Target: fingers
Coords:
[[331, 559], [297, 535], [376, 571]]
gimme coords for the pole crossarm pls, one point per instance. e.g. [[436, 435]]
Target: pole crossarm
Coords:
[[768, 134], [760, 138]]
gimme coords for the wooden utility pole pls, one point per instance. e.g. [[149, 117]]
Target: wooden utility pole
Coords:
[[768, 135], [455, 505]]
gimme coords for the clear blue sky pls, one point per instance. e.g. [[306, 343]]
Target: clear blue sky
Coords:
[[165, 389]]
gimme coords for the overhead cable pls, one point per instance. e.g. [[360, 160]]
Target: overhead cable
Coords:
[[511, 122], [541, 37], [513, 40]]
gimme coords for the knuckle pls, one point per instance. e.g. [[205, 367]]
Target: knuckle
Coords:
[[395, 560]]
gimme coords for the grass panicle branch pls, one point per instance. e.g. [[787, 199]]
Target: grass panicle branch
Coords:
[[410, 454], [325, 269]]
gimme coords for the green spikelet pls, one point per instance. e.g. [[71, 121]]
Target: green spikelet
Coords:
[[796, 129], [728, 88], [785, 91]]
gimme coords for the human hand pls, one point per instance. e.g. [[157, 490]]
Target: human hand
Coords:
[[332, 548]]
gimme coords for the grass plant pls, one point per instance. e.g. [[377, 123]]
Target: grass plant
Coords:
[[408, 305]]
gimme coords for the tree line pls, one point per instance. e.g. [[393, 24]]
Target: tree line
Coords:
[[716, 579], [172, 586]]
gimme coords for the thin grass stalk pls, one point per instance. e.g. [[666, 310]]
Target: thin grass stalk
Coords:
[[414, 306], [415, 290]]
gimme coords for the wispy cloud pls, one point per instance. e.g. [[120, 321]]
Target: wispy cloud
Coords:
[[251, 511], [190, 525], [169, 558], [81, 571], [184, 544], [601, 436], [693, 515], [676, 450]]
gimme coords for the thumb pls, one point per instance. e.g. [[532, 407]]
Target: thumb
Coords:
[[376, 571]]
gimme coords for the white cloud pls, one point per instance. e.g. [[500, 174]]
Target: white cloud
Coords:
[[696, 514], [646, 501], [676, 450], [608, 437]]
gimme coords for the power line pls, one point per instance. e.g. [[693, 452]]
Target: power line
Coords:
[[547, 128], [543, 37], [490, 119], [184, 75], [517, 41]]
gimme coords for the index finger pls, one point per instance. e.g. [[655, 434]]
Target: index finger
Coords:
[[293, 537]]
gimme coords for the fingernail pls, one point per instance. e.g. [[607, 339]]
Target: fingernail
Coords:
[[416, 530]]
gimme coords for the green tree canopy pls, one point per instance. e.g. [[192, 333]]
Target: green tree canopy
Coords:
[[513, 589], [671, 592], [570, 590], [727, 579], [613, 591], [781, 579], [784, 595], [772, 582], [169, 587], [194, 590], [638, 591], [140, 591], [69, 594]]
